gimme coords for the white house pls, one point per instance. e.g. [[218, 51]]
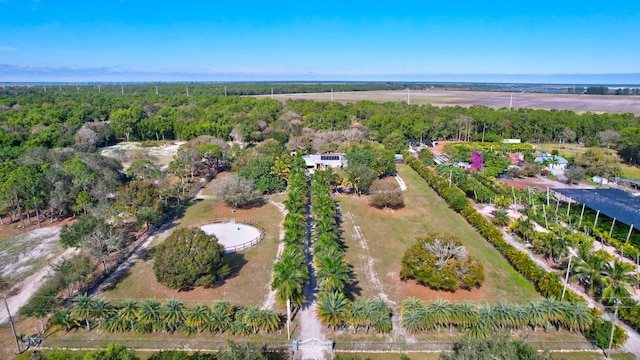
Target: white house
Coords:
[[552, 162], [323, 161]]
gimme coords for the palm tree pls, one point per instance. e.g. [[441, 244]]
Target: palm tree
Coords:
[[290, 276], [382, 316], [81, 309], [65, 319], [520, 316], [588, 269], [269, 320], [616, 279], [464, 314], [333, 272], [149, 315], [555, 311], [251, 317], [129, 311], [440, 311], [198, 317], [504, 316], [173, 314], [332, 308], [116, 324], [221, 316], [100, 309], [501, 218], [538, 315]]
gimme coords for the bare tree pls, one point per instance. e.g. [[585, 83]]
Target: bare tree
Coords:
[[445, 250], [608, 138], [236, 191]]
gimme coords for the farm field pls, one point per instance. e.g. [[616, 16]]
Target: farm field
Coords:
[[440, 97]]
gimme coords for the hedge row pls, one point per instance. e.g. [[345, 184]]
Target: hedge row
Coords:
[[548, 284]]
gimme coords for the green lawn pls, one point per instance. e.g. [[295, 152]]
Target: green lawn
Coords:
[[389, 233]]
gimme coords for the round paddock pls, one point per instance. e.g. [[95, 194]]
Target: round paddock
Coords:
[[233, 235]]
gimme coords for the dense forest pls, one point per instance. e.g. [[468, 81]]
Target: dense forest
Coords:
[[51, 137]]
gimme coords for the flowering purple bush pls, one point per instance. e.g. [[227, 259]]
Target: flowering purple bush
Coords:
[[476, 161]]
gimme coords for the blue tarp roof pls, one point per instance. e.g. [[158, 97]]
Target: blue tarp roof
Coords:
[[616, 204]]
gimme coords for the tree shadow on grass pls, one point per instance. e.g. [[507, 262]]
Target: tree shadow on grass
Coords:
[[236, 262], [147, 254], [113, 284]]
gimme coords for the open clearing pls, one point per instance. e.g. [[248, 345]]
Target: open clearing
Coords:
[[376, 241], [442, 97], [126, 152], [389, 233], [248, 284]]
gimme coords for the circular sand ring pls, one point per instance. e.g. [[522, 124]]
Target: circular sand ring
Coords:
[[233, 234]]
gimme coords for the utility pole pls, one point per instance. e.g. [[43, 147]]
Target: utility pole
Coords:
[[288, 319], [613, 327], [122, 89], [225, 90], [566, 278], [15, 336], [156, 89], [408, 96], [331, 94]]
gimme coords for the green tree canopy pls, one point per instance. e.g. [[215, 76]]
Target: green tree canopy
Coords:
[[190, 257]]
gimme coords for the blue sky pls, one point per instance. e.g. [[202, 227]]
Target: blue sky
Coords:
[[127, 40]]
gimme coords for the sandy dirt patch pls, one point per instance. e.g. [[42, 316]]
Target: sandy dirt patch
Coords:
[[231, 234], [42, 250]]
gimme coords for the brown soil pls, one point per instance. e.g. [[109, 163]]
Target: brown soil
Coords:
[[411, 288]]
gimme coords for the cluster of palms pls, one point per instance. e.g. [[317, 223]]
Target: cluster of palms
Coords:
[[333, 270], [173, 315], [551, 245], [291, 273], [609, 279], [334, 275], [482, 321]]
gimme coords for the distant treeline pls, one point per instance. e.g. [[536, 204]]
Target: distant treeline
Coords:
[[265, 88], [31, 118], [195, 89]]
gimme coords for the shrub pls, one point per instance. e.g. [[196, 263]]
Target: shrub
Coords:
[[236, 191], [386, 193], [426, 156], [442, 263], [189, 257]]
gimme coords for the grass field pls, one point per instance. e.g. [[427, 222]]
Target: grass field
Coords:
[[248, 284], [389, 233], [376, 241]]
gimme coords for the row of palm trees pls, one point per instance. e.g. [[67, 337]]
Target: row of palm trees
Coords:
[[290, 273], [482, 321], [338, 312], [151, 316], [332, 269], [334, 309]]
